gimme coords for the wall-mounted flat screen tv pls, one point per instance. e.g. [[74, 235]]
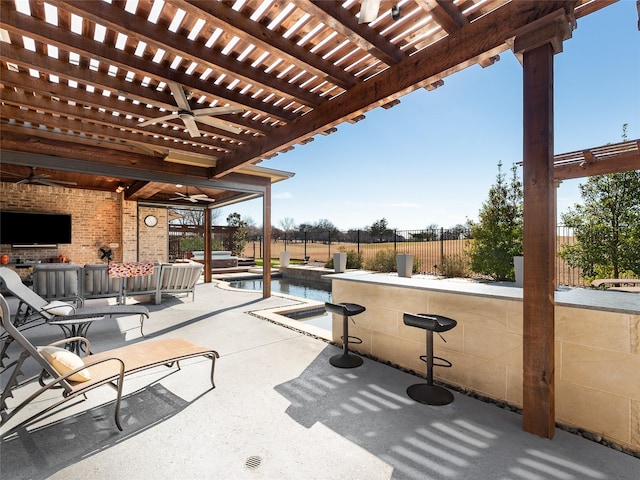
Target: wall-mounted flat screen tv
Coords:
[[34, 229]]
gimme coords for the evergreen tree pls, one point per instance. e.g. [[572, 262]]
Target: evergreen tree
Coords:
[[497, 237], [239, 240]]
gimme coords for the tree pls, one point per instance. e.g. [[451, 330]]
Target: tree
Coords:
[[287, 224], [239, 240], [607, 226], [497, 238], [379, 229]]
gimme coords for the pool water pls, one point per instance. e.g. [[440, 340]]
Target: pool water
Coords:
[[312, 291]]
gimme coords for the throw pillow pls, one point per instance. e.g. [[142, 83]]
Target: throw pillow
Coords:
[[59, 308], [64, 362]]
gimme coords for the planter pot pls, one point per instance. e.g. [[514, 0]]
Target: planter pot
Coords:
[[518, 263], [340, 262], [284, 259], [405, 264]]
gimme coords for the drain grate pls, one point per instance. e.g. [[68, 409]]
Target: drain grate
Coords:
[[253, 462]]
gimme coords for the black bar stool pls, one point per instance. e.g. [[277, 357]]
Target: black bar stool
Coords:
[[428, 393], [345, 360]]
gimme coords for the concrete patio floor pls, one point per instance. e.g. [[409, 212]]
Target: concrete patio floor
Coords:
[[280, 411]]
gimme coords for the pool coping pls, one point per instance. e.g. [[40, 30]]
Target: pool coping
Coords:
[[278, 314]]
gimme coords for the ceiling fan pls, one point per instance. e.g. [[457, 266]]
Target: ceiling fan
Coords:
[[190, 117], [42, 179], [194, 198]]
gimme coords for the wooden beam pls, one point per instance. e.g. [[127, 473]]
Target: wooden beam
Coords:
[[446, 13], [539, 244], [68, 41], [120, 20], [25, 82], [222, 14], [487, 36], [155, 136], [621, 163], [346, 24]]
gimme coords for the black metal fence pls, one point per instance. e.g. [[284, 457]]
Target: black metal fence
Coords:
[[433, 249]]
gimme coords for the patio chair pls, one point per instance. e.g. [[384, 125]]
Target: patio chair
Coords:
[[34, 310], [76, 376]]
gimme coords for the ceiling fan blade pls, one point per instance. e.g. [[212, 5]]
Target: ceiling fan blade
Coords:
[[151, 121], [368, 10], [47, 183], [216, 110], [214, 122], [207, 199], [190, 123], [62, 182], [24, 180], [179, 96]]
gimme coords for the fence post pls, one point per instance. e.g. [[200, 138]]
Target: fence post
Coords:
[[395, 240], [329, 236], [358, 241], [441, 245], [305, 245]]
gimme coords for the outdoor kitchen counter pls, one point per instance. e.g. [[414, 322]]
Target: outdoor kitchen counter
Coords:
[[611, 301], [597, 342]]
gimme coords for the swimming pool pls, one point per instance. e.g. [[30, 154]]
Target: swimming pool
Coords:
[[312, 291]]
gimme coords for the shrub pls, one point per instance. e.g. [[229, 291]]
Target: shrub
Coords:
[[354, 260], [383, 261], [455, 266], [189, 244]]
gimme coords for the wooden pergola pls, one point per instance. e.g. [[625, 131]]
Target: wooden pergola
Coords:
[[81, 84]]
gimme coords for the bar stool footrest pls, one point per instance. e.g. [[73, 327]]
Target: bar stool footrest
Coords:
[[446, 363], [352, 339]]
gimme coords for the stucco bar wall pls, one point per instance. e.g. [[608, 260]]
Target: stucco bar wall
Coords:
[[597, 343]]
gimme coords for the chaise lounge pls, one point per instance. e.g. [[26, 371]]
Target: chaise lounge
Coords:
[[76, 376]]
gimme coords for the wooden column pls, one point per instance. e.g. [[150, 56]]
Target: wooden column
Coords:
[[537, 45], [207, 245], [266, 228]]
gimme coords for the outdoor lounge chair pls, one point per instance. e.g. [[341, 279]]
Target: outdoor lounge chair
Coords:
[[76, 376], [61, 313]]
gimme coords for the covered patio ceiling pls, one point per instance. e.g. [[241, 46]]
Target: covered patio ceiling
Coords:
[[80, 81]]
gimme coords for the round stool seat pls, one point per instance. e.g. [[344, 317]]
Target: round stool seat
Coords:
[[427, 321], [348, 309]]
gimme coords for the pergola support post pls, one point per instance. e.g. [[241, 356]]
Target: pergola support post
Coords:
[[266, 227], [537, 46], [207, 245]]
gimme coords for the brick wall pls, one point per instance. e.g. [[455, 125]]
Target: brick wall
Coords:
[[99, 219], [154, 241]]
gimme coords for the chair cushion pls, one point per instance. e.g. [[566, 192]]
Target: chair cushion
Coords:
[[59, 308], [64, 362]]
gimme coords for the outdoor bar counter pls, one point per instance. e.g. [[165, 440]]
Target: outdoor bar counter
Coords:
[[597, 343]]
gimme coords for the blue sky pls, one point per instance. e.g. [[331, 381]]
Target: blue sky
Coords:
[[433, 158]]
